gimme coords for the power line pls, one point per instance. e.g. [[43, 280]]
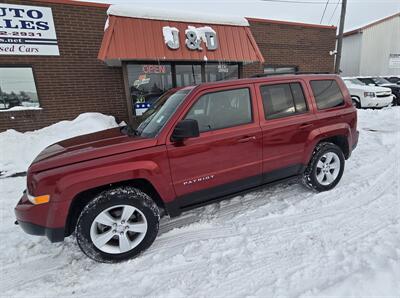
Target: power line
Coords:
[[337, 4], [323, 14]]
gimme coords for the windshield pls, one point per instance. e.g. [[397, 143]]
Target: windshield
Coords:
[[381, 81], [154, 119], [355, 82]]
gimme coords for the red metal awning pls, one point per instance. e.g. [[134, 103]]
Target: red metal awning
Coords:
[[127, 39]]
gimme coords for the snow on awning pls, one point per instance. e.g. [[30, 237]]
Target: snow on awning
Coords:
[[144, 34]]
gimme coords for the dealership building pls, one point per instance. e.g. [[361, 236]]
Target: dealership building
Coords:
[[59, 59]]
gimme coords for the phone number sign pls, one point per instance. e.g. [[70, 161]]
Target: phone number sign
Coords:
[[27, 30]]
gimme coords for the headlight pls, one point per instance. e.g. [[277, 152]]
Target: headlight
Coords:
[[38, 200], [369, 94]]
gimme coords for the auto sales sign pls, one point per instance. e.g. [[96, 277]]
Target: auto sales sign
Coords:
[[27, 30]]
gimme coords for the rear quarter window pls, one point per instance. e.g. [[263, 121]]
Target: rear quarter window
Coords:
[[327, 94]]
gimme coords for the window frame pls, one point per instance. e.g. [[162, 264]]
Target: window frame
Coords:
[[38, 108], [291, 92], [315, 99], [199, 96]]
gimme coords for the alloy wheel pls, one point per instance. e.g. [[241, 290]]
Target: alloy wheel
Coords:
[[328, 168], [118, 229]]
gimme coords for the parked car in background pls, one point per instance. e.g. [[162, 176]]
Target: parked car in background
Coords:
[[393, 79], [368, 96], [378, 81]]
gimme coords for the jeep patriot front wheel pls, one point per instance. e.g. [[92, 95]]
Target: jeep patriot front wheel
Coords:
[[117, 225]]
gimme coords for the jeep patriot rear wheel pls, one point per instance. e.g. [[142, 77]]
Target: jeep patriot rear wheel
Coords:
[[117, 225], [325, 168]]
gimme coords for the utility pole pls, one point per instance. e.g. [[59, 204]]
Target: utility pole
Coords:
[[340, 37]]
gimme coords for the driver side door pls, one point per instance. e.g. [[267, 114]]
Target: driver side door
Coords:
[[226, 157]]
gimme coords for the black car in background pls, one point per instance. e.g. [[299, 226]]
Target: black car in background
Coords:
[[394, 80], [378, 81]]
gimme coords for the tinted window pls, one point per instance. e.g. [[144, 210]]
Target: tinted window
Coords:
[[327, 94], [222, 109], [154, 120], [282, 100]]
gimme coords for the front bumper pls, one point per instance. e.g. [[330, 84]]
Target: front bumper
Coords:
[[377, 102], [40, 219], [54, 235]]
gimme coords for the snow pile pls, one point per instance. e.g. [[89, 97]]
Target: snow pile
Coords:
[[279, 241], [18, 150], [155, 13]]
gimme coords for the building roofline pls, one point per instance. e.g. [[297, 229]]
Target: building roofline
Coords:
[[250, 19], [78, 3], [359, 30]]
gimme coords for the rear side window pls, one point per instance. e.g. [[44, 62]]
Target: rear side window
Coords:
[[222, 109], [283, 100], [327, 94]]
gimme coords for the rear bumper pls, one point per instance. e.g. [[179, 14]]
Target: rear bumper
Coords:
[[54, 235]]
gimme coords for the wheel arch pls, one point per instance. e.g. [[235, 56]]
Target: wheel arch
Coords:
[[340, 141], [84, 197], [337, 134]]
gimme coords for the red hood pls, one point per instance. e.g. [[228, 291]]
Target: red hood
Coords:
[[87, 147]]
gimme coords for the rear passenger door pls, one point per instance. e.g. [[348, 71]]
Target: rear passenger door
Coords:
[[287, 119]]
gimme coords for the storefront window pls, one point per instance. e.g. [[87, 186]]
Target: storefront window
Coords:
[[148, 81], [221, 71], [187, 75], [17, 88]]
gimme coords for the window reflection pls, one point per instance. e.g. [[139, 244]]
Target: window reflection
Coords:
[[17, 88]]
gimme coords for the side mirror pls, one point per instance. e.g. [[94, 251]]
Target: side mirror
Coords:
[[185, 129]]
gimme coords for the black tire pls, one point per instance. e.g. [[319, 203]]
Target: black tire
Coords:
[[107, 199], [310, 174], [356, 102]]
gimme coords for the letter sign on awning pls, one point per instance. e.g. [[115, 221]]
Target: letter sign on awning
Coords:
[[27, 30]]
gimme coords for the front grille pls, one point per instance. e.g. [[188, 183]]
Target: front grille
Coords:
[[386, 94]]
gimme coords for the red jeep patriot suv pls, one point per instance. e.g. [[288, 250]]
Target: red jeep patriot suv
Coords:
[[195, 146]]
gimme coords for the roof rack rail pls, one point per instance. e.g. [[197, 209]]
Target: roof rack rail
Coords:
[[260, 75]]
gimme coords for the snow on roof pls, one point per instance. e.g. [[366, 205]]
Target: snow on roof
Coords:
[[152, 13]]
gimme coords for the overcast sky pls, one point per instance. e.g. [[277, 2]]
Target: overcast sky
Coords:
[[359, 12]]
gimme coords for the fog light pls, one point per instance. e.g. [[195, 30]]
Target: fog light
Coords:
[[39, 200]]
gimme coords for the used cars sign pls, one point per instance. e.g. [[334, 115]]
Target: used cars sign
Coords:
[[27, 30]]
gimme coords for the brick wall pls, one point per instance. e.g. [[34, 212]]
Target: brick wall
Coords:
[[284, 43], [74, 82]]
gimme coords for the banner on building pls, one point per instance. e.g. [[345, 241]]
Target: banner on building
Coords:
[[394, 61], [27, 30]]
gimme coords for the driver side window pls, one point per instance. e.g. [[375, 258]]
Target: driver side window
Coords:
[[222, 109]]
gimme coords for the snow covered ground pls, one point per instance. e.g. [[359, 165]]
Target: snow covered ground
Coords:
[[281, 241]]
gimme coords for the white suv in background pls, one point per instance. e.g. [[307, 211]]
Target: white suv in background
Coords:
[[366, 96]]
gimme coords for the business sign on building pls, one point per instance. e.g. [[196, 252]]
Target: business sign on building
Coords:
[[394, 61], [27, 30]]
